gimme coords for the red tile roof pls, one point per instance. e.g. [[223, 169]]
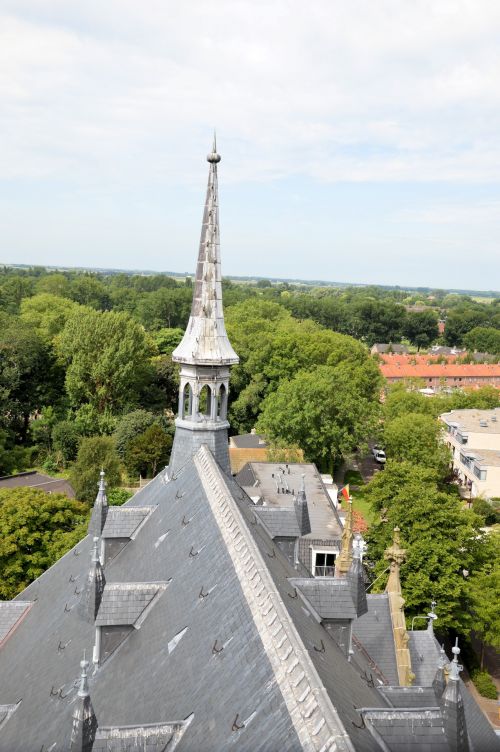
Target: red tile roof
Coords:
[[437, 371]]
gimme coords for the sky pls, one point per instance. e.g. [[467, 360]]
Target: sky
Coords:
[[360, 140]]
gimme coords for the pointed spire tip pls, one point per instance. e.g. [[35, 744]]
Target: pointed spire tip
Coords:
[[213, 157]]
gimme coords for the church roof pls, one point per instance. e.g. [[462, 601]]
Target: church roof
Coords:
[[374, 631], [225, 628]]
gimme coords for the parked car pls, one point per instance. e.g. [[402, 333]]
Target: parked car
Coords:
[[379, 456]]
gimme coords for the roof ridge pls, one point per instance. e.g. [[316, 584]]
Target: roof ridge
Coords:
[[316, 720]]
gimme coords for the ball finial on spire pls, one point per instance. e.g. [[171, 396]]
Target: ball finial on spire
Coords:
[[213, 157]]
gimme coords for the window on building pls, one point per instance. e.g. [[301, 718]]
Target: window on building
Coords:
[[479, 472], [324, 564]]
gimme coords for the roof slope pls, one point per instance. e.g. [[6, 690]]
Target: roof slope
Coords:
[[203, 639]]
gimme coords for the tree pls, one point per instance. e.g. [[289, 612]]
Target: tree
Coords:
[[273, 346], [483, 339], [47, 314], [148, 451], [65, 439], [130, 426], [95, 453], [416, 438], [421, 328], [107, 358], [53, 285], [166, 340], [484, 597], [461, 320], [12, 458], [441, 538], [29, 375], [326, 412], [36, 528]]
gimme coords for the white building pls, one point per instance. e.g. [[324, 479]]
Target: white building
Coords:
[[474, 439]]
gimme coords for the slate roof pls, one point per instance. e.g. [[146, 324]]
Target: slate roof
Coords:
[[217, 650], [32, 479], [205, 340], [249, 441], [280, 523], [424, 654], [151, 737], [124, 602], [331, 598], [11, 612], [406, 730], [374, 631], [123, 522]]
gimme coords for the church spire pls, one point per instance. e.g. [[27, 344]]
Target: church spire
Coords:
[[205, 341], [204, 353]]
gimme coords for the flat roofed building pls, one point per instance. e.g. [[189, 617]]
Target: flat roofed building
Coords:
[[275, 486], [474, 439]]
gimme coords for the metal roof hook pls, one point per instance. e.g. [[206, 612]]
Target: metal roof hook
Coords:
[[237, 726]]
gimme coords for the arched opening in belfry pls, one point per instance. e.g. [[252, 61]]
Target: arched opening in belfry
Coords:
[[222, 403], [205, 401], [187, 401]]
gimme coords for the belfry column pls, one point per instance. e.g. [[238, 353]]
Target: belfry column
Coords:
[[205, 353]]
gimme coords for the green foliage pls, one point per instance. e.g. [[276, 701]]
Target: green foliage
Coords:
[[326, 412], [484, 596], [274, 347], [421, 328], [65, 439], [166, 340], [90, 422], [148, 451], [36, 528], [47, 314], [130, 426], [484, 684], [106, 355], [441, 539], [416, 438], [95, 453], [118, 496], [488, 510], [483, 339], [13, 459], [29, 378]]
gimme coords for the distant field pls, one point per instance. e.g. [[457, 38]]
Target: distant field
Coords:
[[481, 299]]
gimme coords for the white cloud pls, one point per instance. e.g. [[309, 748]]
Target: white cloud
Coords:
[[353, 90]]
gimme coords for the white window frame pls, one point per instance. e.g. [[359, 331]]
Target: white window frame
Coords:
[[314, 551]]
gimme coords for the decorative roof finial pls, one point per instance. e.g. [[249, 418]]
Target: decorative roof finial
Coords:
[[95, 550], [439, 682], [83, 690], [455, 666], [92, 591], [344, 560], [432, 617], [84, 721], [100, 508], [213, 157]]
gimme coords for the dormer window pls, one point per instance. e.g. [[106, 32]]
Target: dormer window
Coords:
[[323, 563]]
